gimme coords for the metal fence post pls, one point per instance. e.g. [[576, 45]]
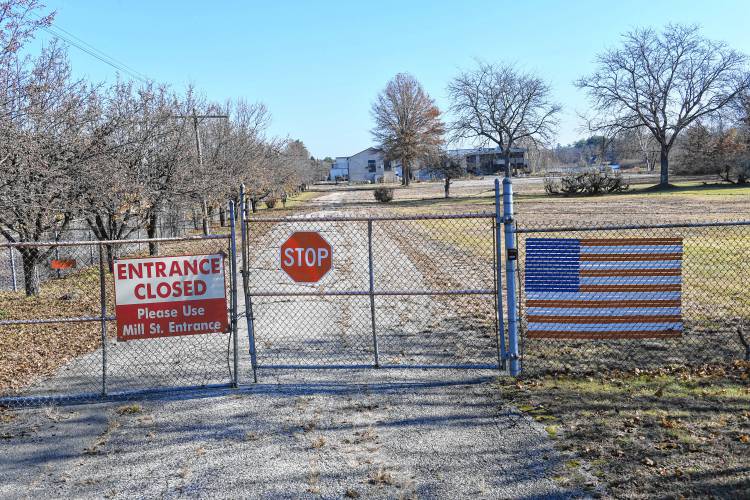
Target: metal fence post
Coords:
[[57, 252], [91, 250], [13, 274], [510, 275], [372, 293], [233, 284], [502, 353], [246, 282], [103, 306]]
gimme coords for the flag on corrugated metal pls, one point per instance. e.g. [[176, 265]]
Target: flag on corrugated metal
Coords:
[[603, 288]]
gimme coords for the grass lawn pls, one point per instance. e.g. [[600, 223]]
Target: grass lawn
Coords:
[[297, 200], [668, 433]]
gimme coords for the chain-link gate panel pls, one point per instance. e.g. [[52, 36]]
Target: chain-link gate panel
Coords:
[[403, 291]]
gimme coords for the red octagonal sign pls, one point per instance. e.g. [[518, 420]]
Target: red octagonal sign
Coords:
[[306, 257]]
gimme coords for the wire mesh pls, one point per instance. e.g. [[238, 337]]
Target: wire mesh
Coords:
[[691, 307], [12, 272], [432, 301], [58, 334]]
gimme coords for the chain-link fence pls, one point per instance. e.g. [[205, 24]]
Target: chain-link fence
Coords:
[[58, 333], [596, 299], [402, 291]]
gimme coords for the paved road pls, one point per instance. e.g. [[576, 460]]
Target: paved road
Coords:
[[358, 433]]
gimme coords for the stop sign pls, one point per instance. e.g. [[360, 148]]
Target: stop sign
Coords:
[[306, 257]]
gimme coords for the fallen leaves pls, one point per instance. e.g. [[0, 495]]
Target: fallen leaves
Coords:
[[29, 352]]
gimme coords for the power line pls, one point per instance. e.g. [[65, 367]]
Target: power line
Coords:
[[70, 38]]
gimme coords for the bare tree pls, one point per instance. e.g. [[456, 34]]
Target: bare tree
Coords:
[[648, 147], [50, 130], [718, 151], [407, 123], [498, 104], [18, 22], [664, 82], [113, 199], [169, 156], [447, 167]]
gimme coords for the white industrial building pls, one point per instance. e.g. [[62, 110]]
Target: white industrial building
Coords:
[[370, 165]]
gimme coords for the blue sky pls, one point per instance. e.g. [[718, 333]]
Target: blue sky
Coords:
[[319, 65]]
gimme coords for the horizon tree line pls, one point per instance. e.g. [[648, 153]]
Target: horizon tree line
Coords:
[[644, 93]]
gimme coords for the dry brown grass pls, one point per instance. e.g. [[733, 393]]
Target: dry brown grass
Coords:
[[669, 433], [30, 352]]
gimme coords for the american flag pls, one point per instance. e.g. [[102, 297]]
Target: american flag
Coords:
[[603, 288]]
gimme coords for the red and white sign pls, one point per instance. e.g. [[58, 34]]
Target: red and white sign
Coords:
[[170, 296], [306, 257]]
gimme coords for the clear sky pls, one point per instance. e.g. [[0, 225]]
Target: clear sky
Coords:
[[318, 65]]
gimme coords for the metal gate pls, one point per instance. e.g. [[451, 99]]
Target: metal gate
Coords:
[[404, 291]]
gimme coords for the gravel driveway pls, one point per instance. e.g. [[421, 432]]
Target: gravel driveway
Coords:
[[375, 434], [336, 433]]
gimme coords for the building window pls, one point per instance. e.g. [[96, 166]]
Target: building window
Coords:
[[387, 166], [371, 166]]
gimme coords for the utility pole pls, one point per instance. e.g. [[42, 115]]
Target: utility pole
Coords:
[[195, 117]]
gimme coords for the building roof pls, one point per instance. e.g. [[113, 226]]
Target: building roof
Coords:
[[373, 148]]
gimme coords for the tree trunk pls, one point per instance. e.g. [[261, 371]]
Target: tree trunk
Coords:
[[205, 221], [29, 257], [222, 217], [196, 220], [447, 187], [253, 205], [112, 254], [664, 178], [152, 230], [406, 171], [506, 164]]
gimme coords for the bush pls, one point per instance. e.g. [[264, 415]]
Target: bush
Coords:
[[271, 202], [589, 182], [383, 194]]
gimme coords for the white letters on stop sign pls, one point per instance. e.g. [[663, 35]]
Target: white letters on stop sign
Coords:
[[309, 257]]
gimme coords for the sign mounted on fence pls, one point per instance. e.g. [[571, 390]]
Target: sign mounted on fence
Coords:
[[306, 257], [62, 264], [170, 296], [603, 288]]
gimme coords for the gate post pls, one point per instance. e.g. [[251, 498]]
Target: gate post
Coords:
[[510, 275], [372, 293], [246, 282], [233, 285], [502, 353], [103, 310], [13, 269]]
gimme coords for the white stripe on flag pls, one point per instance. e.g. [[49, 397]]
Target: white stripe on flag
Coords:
[[608, 327], [552, 295], [603, 312], [633, 249]]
